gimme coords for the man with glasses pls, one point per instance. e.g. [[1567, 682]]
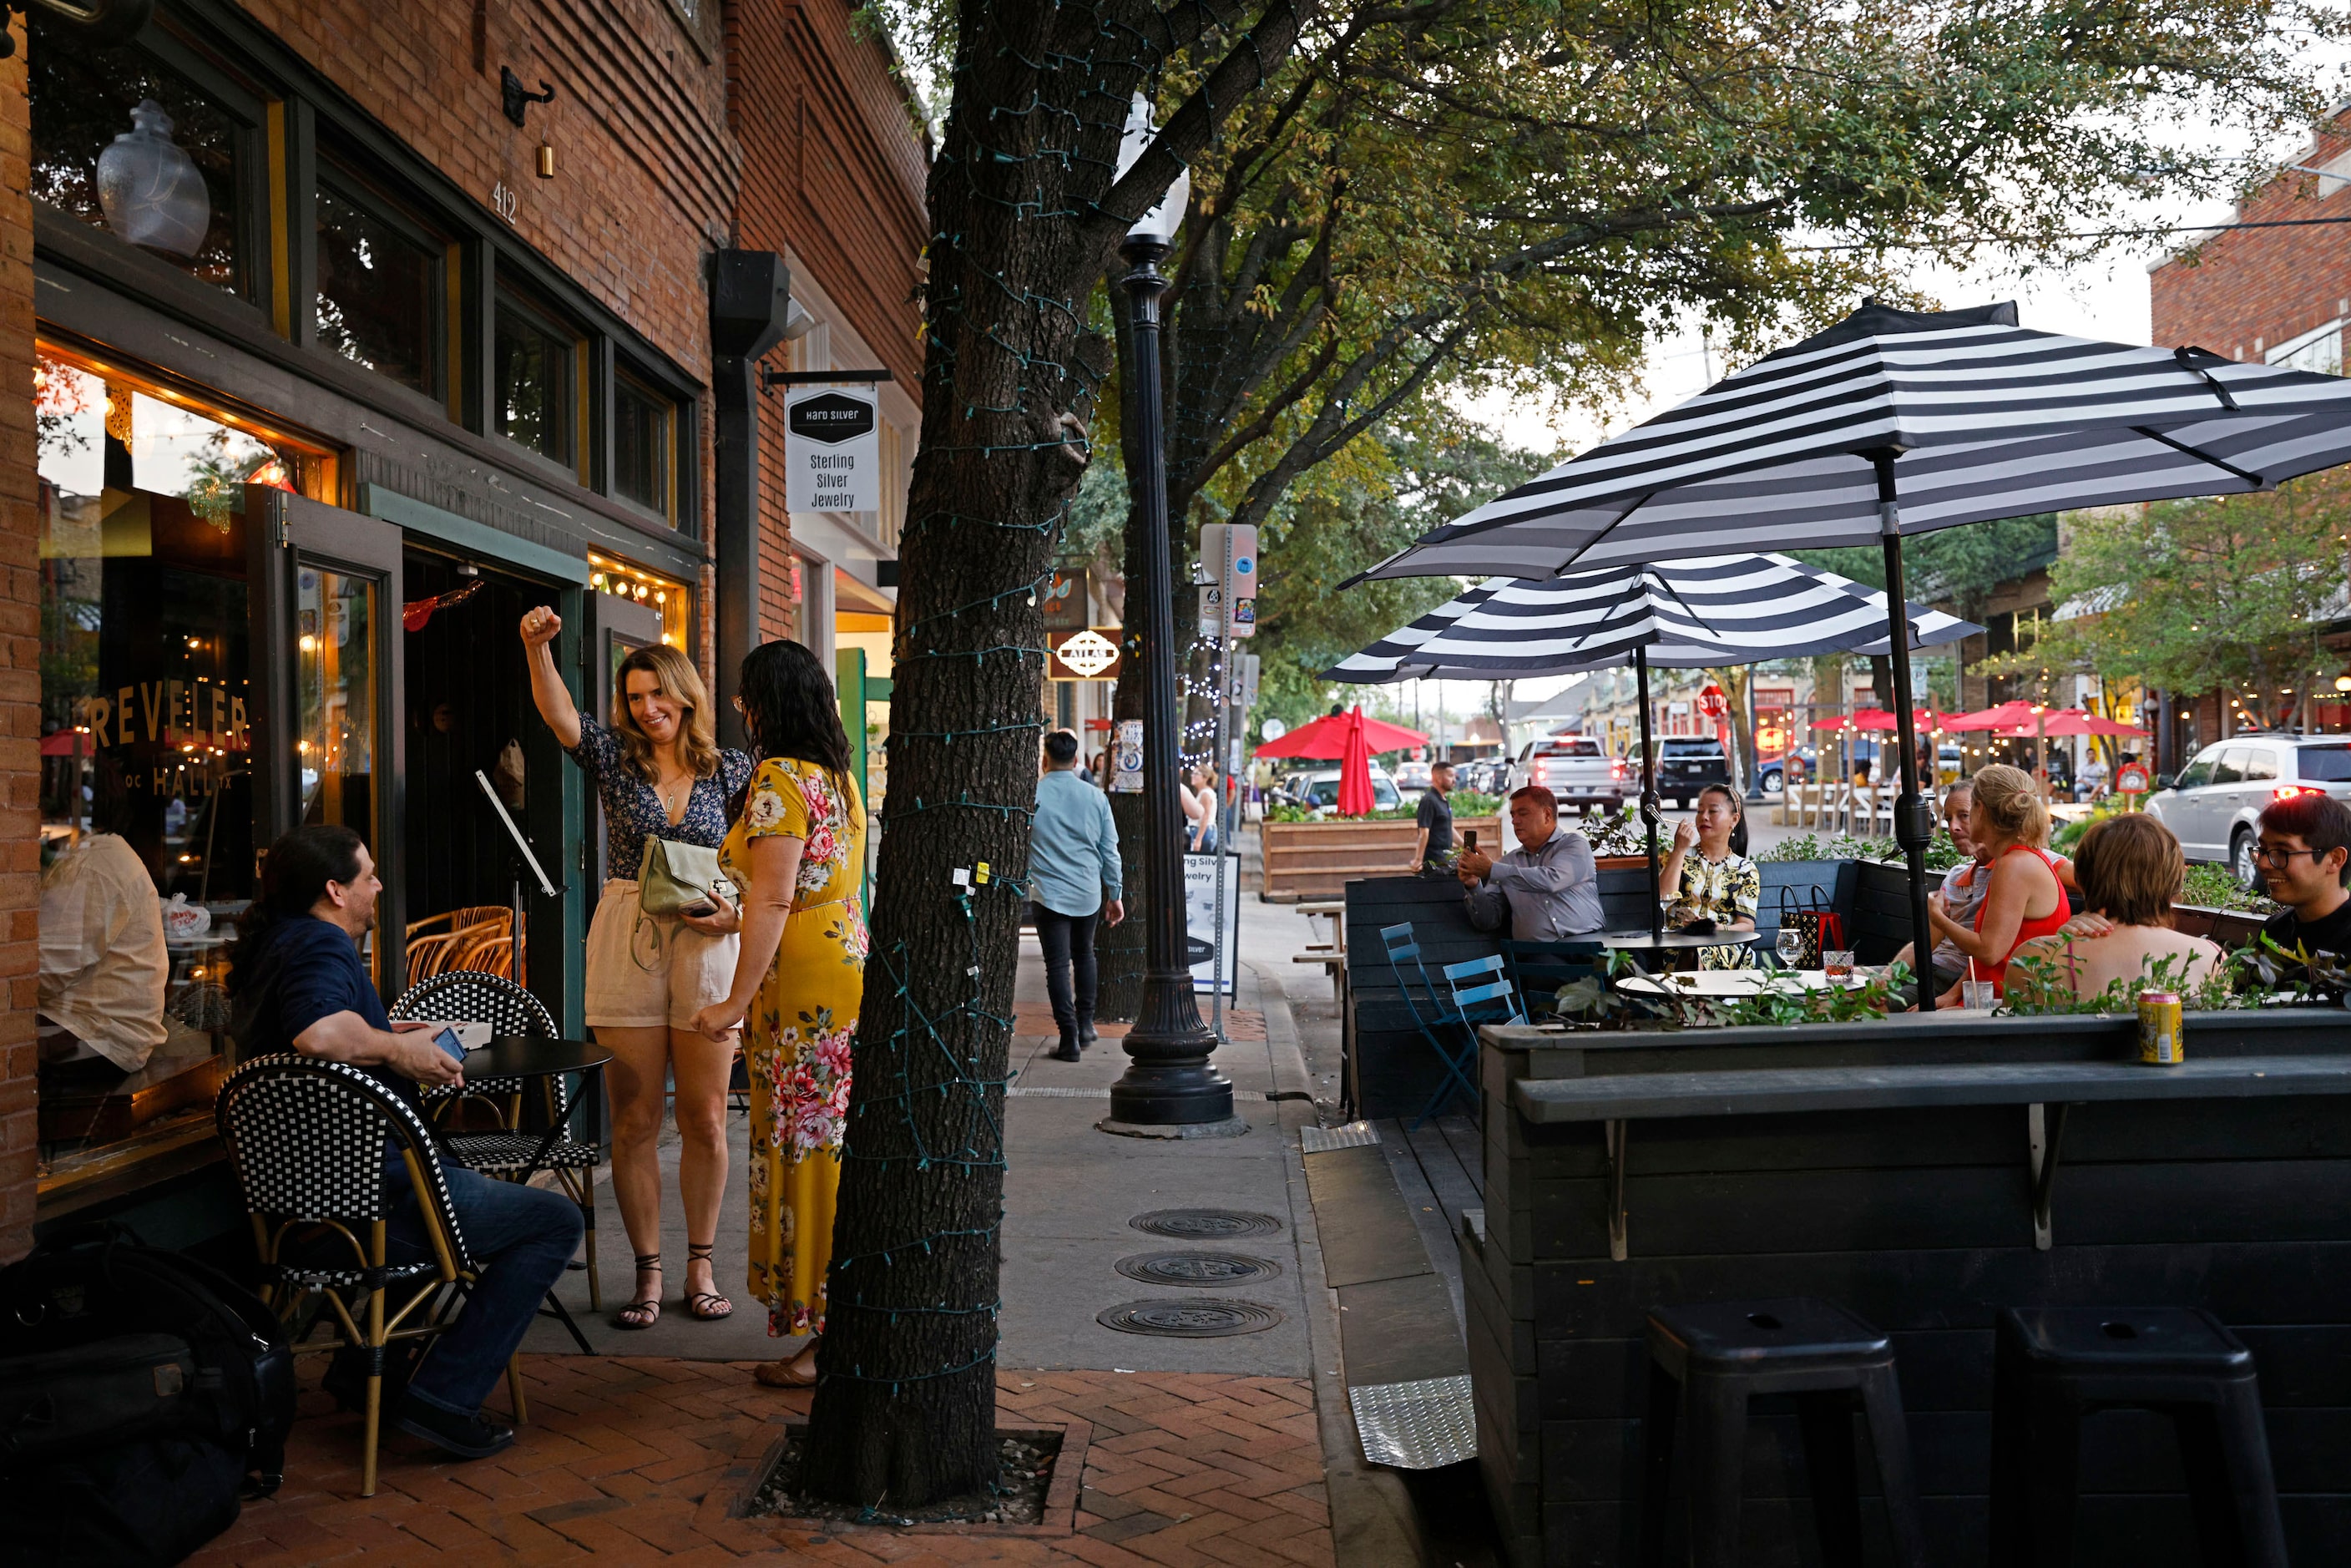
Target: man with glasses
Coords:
[[2306, 844]]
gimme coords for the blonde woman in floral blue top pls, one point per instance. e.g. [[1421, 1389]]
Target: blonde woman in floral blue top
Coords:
[[798, 850], [1704, 879]]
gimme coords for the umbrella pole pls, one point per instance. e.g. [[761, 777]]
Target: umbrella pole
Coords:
[[1914, 821], [1649, 790]]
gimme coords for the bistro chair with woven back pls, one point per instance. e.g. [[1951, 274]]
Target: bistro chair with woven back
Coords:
[[508, 1151], [312, 1142]]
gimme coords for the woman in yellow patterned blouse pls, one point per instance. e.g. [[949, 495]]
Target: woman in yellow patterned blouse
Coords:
[[1704, 879], [798, 850]]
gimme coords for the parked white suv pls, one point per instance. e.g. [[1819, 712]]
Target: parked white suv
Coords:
[[2217, 798]]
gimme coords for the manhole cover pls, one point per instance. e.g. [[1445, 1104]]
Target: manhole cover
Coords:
[[1198, 1269], [1204, 1224], [1195, 1319]]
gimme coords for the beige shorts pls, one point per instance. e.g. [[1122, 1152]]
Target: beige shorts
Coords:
[[650, 972]]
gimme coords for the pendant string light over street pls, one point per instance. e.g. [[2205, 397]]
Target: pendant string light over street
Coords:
[[1169, 1081], [1899, 421]]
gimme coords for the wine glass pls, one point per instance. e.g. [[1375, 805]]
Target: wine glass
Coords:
[[1789, 945]]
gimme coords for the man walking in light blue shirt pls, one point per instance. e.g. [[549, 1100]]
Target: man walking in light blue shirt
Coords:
[[1073, 876]]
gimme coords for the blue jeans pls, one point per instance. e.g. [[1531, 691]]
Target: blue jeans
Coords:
[[520, 1238]]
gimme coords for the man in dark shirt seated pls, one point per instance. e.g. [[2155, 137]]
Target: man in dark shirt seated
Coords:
[[2306, 844], [300, 987]]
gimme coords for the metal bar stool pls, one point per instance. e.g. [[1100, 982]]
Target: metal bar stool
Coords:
[[1706, 1363], [2052, 1367]]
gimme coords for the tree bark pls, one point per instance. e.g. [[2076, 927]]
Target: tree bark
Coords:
[[1025, 216]]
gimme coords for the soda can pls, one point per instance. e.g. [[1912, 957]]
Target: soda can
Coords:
[[2162, 1042]]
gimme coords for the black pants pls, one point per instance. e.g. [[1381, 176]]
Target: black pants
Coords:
[[1069, 943]]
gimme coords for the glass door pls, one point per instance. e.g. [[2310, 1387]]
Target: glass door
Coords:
[[328, 625]]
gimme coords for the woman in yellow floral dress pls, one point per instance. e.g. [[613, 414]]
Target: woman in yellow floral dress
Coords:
[[798, 852], [1704, 879]]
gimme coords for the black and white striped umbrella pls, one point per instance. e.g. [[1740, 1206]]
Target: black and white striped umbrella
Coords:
[[1894, 422], [1714, 609], [1954, 417]]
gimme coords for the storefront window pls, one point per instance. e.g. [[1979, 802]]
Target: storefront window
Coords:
[[644, 427], [378, 292], [126, 143], [534, 368], [335, 687], [146, 797], [669, 600]]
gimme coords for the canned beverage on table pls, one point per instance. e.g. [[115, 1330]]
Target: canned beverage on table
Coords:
[[2161, 1039]]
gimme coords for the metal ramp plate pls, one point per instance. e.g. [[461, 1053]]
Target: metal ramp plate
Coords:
[[1323, 1140], [1417, 1426]]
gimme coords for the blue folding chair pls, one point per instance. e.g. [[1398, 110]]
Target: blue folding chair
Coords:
[[1540, 968], [1494, 998]]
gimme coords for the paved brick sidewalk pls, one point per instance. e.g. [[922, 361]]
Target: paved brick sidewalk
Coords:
[[627, 1459]]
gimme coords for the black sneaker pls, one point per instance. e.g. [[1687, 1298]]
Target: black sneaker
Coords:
[[475, 1437]]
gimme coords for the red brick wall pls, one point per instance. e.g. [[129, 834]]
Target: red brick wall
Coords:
[[20, 671], [646, 170], [2247, 290], [836, 180]]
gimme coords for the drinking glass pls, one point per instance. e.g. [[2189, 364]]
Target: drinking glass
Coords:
[[1789, 945], [1838, 965], [1976, 994]]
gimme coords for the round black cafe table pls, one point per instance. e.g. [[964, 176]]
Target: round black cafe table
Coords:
[[1660, 945], [527, 1056]]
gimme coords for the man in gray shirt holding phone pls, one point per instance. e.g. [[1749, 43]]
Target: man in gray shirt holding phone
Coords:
[[1546, 890]]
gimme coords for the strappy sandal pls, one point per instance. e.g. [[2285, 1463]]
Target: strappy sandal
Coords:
[[705, 1306], [780, 1374], [644, 1311]]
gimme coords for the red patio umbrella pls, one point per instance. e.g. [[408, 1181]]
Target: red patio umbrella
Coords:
[[60, 743], [1326, 737], [1878, 718], [1355, 769], [2080, 721], [2008, 716]]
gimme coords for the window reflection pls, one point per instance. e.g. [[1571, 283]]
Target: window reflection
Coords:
[[375, 290], [146, 797], [84, 100], [642, 423], [533, 361]]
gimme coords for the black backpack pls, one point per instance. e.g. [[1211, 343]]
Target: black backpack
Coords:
[[141, 1392]]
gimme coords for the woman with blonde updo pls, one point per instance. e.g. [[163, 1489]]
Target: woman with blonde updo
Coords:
[[2024, 899]]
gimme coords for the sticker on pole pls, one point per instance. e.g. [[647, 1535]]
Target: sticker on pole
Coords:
[[833, 449]]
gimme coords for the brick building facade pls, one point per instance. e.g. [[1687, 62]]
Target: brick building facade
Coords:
[[2276, 295], [365, 370]]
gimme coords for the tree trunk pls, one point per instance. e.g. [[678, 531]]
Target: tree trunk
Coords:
[[905, 1410], [1025, 214]]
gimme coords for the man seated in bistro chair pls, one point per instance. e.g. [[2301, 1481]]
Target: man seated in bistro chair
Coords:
[[1546, 890], [300, 985]]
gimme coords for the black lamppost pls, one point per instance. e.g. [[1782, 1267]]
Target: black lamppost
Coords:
[[1169, 1081]]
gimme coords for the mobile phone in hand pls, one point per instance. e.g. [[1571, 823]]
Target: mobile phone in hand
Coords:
[[1469, 841], [447, 1040]]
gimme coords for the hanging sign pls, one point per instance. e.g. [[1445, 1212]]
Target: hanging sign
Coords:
[[832, 450], [1065, 600], [1088, 656]]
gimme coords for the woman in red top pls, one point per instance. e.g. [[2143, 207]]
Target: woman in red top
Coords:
[[2025, 900]]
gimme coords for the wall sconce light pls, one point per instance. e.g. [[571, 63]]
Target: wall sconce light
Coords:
[[546, 161], [518, 98]]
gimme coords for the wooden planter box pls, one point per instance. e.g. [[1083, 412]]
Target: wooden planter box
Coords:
[[1893, 1168], [1317, 859], [2229, 927]]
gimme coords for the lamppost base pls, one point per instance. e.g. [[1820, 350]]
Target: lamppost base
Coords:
[[1231, 1127]]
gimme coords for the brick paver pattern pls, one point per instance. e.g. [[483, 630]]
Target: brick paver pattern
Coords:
[[1183, 1470]]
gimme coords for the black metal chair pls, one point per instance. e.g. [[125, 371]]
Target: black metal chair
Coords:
[[2054, 1366], [467, 996], [1706, 1363], [307, 1140]]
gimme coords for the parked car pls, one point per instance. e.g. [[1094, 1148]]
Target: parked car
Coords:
[[1320, 788], [2214, 801], [1774, 775], [1576, 771], [1688, 764], [1411, 775]]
